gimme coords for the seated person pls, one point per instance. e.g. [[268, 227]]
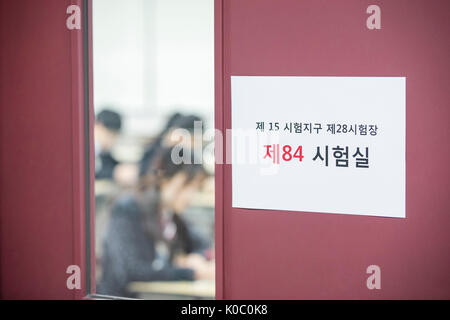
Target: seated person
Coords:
[[147, 238], [106, 130]]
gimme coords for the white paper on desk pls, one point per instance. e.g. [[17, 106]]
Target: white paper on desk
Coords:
[[310, 186]]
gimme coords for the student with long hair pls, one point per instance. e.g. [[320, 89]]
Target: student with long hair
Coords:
[[146, 233]]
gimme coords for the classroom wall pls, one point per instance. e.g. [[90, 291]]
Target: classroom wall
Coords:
[[153, 58]]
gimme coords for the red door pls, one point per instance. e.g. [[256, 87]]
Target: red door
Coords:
[[298, 255], [44, 164], [44, 132]]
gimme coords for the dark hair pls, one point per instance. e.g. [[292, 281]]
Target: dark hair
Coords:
[[179, 121], [163, 167], [110, 119], [171, 122], [186, 122], [176, 121]]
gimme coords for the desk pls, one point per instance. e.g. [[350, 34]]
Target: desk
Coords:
[[174, 290]]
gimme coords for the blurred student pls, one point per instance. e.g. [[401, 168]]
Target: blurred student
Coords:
[[147, 238], [106, 131]]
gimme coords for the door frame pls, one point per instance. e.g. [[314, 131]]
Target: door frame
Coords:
[[83, 118], [220, 149]]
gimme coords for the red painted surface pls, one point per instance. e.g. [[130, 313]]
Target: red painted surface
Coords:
[[42, 205], [272, 254]]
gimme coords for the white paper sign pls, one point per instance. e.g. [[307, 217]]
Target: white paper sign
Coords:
[[319, 144]]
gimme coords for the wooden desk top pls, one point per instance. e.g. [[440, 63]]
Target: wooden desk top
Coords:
[[199, 289]]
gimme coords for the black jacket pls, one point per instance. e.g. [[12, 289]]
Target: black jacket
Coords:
[[106, 165], [129, 251]]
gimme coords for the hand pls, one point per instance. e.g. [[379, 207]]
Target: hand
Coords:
[[188, 260], [126, 174], [203, 269], [206, 271]]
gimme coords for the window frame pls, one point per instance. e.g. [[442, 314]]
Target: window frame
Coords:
[[82, 58]]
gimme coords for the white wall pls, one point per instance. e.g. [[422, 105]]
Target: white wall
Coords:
[[153, 57]]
